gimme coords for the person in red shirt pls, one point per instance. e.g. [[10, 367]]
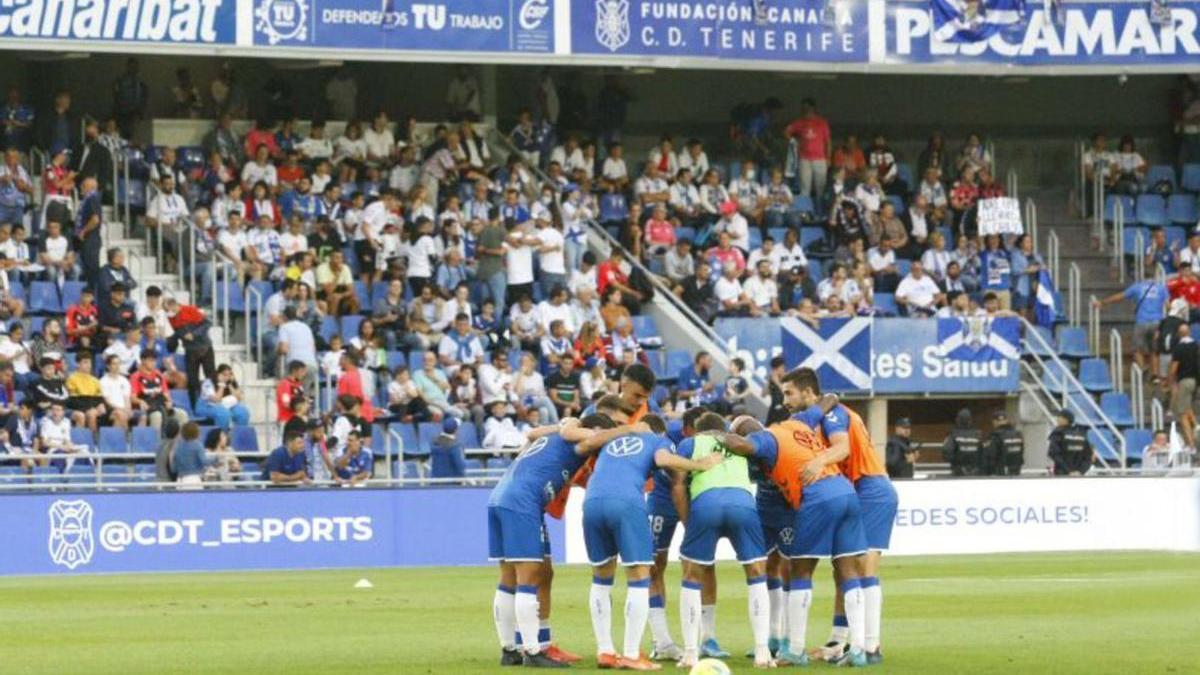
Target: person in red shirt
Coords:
[[1185, 285], [151, 393], [261, 134], [289, 389], [350, 384], [725, 254], [660, 232], [83, 320], [191, 330], [813, 147], [609, 273]]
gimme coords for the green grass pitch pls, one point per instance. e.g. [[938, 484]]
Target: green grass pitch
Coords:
[[1060, 613]]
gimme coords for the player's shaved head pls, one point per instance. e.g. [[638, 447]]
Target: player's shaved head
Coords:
[[656, 424], [597, 421], [746, 425], [710, 421]]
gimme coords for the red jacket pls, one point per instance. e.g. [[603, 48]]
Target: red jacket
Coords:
[[286, 392]]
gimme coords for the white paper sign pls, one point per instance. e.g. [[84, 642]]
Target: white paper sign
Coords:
[[1000, 215]]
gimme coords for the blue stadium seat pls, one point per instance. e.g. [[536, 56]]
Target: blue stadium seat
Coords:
[[1054, 378], [144, 440], [816, 271], [115, 473], [658, 363], [898, 202], [395, 359], [81, 473], [71, 359], [363, 293], [1094, 375], [112, 440], [243, 439], [11, 475], [685, 234], [468, 435], [1105, 444], [735, 171], [1151, 211], [408, 439], [83, 437], [350, 324], [1190, 180], [677, 360], [645, 326], [265, 290], [802, 204], [410, 471], [886, 302], [1072, 343], [1160, 172], [1136, 441], [426, 433], [17, 290], [810, 234], [1117, 407], [416, 359], [473, 465], [1080, 403], [903, 267], [755, 238], [378, 440], [1034, 346], [1131, 240], [189, 157], [237, 297], [71, 291], [46, 475], [1126, 203], [180, 398], [904, 172], [43, 298], [1181, 209], [378, 292], [777, 233], [329, 328]]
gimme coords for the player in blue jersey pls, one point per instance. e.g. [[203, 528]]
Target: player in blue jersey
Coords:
[[616, 522], [849, 445], [719, 503], [517, 535]]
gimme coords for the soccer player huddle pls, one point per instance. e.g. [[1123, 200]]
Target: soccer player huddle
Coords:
[[784, 495]]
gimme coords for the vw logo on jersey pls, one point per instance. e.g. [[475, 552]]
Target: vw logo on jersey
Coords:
[[786, 536], [536, 447], [624, 446]]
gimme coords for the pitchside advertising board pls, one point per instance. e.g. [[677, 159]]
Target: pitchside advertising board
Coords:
[[887, 356]]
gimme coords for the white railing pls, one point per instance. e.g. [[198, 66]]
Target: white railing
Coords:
[[1031, 223], [1119, 239], [1137, 395], [1052, 256], [1116, 360], [1157, 414], [393, 435], [1081, 179], [1139, 256], [1074, 294], [1098, 210], [253, 316], [1012, 184], [1068, 384], [1093, 324]]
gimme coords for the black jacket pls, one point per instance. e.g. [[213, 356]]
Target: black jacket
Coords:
[[898, 465], [963, 449], [1006, 451], [1070, 450]]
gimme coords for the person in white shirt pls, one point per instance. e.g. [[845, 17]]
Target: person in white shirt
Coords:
[[770, 254], [735, 224], [232, 242], [882, 260], [495, 380], [791, 253], [153, 308], [869, 194], [294, 241], [916, 221], [936, 259], [918, 292], [525, 323], [651, 189], [551, 257], [117, 392], [57, 257], [555, 308], [422, 255], [263, 249], [729, 293], [350, 146], [569, 155], [55, 434], [663, 157], [934, 192], [460, 346], [167, 207], [576, 210], [839, 285], [229, 202], [316, 146], [379, 140], [762, 291], [260, 169], [750, 195], [518, 262], [685, 199], [614, 173], [693, 157], [712, 194]]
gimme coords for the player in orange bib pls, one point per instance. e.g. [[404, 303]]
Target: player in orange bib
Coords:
[[844, 434], [828, 523]]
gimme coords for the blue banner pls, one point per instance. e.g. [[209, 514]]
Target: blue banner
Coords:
[[1070, 34], [786, 30], [444, 26], [160, 21], [838, 349], [944, 356], [246, 529]]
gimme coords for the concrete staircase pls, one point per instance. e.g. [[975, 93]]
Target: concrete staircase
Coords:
[[228, 340]]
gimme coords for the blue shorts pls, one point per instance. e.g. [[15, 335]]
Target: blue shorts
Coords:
[[516, 536], [617, 526], [778, 525], [829, 526], [725, 512], [663, 521], [878, 500]]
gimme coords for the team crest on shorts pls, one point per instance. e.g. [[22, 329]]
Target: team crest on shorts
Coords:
[[612, 23], [624, 446], [71, 543]]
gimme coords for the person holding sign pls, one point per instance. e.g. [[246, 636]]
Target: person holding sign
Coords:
[[997, 270]]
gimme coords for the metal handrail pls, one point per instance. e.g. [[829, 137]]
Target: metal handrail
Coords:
[[257, 309], [990, 147], [1139, 256], [1070, 384], [1119, 239], [1031, 222], [1080, 179], [1093, 324], [1098, 210], [1116, 359], [1157, 414], [1052, 247], [1012, 184], [1074, 293], [393, 434], [1137, 394]]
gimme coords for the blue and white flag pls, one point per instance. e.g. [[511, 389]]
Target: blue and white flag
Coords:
[[974, 20], [840, 351], [1045, 306], [979, 339]]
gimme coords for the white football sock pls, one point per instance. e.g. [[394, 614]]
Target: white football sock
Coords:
[[856, 614], [778, 599], [799, 600], [600, 603], [689, 616], [873, 599], [759, 605], [708, 623], [527, 618], [637, 611], [841, 630], [660, 630], [544, 639], [504, 615]]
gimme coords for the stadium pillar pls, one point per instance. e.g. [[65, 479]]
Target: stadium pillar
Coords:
[[877, 425]]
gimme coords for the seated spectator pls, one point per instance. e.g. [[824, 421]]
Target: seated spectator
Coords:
[[685, 199], [349, 419], [659, 233], [225, 466], [849, 155], [768, 252], [84, 393], [614, 312], [737, 388], [735, 225], [54, 435], [762, 291], [693, 158], [973, 156], [917, 225], [563, 387], [883, 162], [885, 223], [529, 392], [749, 193], [525, 324], [556, 346], [864, 279], [934, 193], [724, 255], [869, 193], [1130, 168], [663, 158], [712, 195], [1158, 252], [151, 395], [614, 175], [117, 394], [624, 348], [838, 284], [729, 293], [50, 388], [936, 259], [435, 388], [678, 263], [335, 286], [846, 222], [918, 294], [221, 400], [795, 284], [882, 260], [356, 464], [777, 203], [404, 398], [24, 435], [594, 381], [117, 315], [694, 385], [499, 430], [966, 255], [56, 255], [996, 264], [287, 465], [460, 346]]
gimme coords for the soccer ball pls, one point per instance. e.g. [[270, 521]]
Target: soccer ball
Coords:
[[710, 667]]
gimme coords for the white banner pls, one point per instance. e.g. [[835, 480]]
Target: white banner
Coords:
[[1000, 215], [1017, 515]]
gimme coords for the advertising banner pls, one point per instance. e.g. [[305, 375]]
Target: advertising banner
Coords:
[[943, 356], [246, 529], [403, 25], [184, 22], [779, 30]]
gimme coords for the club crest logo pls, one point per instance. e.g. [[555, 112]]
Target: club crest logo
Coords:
[[612, 23], [786, 536], [624, 446], [282, 20], [71, 542]]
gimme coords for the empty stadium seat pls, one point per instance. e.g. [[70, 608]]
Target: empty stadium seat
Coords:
[[363, 294], [1176, 237], [1190, 180], [112, 440], [1054, 377], [395, 359], [802, 204], [1158, 173], [1072, 343], [677, 360], [1034, 346], [810, 234], [180, 398], [409, 445], [83, 437], [1094, 375], [1151, 211], [71, 291], [1105, 444], [1133, 246], [46, 475], [43, 298], [1127, 205], [685, 234], [426, 433], [243, 439], [886, 302], [350, 324], [755, 238], [1136, 441], [1117, 407], [898, 202], [144, 440], [777, 233], [904, 172], [1080, 403], [10, 475], [1181, 209], [645, 326], [468, 436], [329, 328], [232, 294]]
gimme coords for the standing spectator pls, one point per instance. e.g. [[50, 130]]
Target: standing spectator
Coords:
[[189, 461], [463, 95], [287, 465], [814, 148], [849, 156], [191, 328], [1150, 300], [185, 95], [60, 127], [87, 230], [296, 343], [901, 456], [1181, 380], [350, 383], [883, 163], [973, 156], [92, 159], [289, 390], [525, 138], [1069, 447], [130, 96], [963, 448], [16, 120], [934, 156], [223, 141], [997, 270], [16, 190]]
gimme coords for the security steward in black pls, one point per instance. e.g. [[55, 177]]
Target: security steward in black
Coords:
[[963, 448], [900, 454], [1006, 447], [1070, 450]]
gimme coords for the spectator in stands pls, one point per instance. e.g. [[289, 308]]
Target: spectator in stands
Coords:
[[191, 326], [963, 197], [936, 200], [651, 189], [189, 461], [777, 203], [814, 147], [117, 393], [695, 385], [290, 389], [529, 391], [918, 294], [296, 342], [869, 193], [885, 223], [151, 396], [735, 225], [748, 192], [56, 256], [335, 286], [882, 261], [113, 273], [934, 156], [16, 190], [901, 456], [883, 162], [92, 159], [699, 291], [60, 126], [16, 120], [287, 465], [1159, 252], [1129, 167], [356, 464], [762, 291], [460, 346], [730, 294], [1181, 380], [221, 400], [54, 435], [525, 324], [973, 156], [1069, 448], [404, 398], [936, 260], [435, 388], [84, 394], [996, 264], [849, 156], [117, 315]]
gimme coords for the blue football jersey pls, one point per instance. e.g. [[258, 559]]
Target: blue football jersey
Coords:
[[836, 421], [623, 466], [537, 475]]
